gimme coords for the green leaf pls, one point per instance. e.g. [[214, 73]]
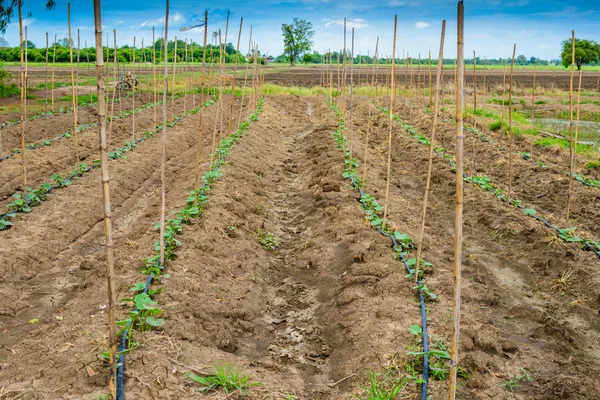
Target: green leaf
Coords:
[[155, 321], [415, 330]]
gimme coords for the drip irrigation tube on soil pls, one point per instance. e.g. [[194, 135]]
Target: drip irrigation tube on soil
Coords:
[[34, 197], [196, 204], [350, 173], [81, 128], [566, 234]]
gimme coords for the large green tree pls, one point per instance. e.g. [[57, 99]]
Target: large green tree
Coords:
[[586, 52], [297, 38]]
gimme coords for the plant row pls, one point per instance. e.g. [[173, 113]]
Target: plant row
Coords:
[[435, 361], [485, 183], [22, 203], [145, 313], [83, 127]]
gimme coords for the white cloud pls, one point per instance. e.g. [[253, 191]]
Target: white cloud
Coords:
[[397, 3], [357, 23], [422, 25], [174, 19]]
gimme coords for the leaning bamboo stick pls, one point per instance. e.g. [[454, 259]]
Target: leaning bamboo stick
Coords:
[[202, 87], [23, 97], [73, 95], [438, 84], [430, 82], [458, 222], [164, 140], [391, 122], [110, 262], [510, 122], [53, 67], [571, 158], [237, 50]]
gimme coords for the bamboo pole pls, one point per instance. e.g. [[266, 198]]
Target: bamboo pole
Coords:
[[174, 77], [364, 173], [164, 140], [45, 84], [112, 104], [185, 78], [438, 84], [73, 95], [87, 54], [330, 77], [571, 158], [133, 96], [474, 112], [391, 123], [237, 50], [375, 69], [245, 76], [351, 99], [154, 73], [343, 100], [23, 96], [510, 131], [222, 60], [197, 176], [484, 76], [458, 223], [419, 83], [410, 104], [52, 78], [503, 96], [533, 92], [216, 121], [77, 73], [110, 262]]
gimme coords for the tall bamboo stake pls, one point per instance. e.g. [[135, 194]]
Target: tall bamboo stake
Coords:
[[174, 76], [438, 84], [344, 66], [351, 100], [45, 84], [375, 69], [164, 140], [245, 76], [202, 85], [571, 158], [474, 112], [133, 96], [73, 95], [185, 78], [87, 54], [458, 223], [110, 262], [77, 73], [364, 173], [223, 55], [53, 65], [510, 131], [533, 91], [237, 50], [154, 73], [419, 84], [23, 96], [391, 122], [503, 96]]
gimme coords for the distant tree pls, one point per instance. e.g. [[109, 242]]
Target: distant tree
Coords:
[[297, 38], [9, 7], [586, 52], [521, 60], [64, 42], [29, 44], [3, 43]]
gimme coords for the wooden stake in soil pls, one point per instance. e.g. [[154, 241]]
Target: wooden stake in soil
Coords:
[[503, 97], [73, 94], [23, 97], [245, 75], [77, 72], [533, 91], [363, 181], [87, 53], [430, 82], [419, 84], [110, 263], [133, 96], [510, 131], [185, 78], [458, 223], [351, 166], [474, 112], [112, 104], [45, 84], [174, 77], [343, 108], [154, 72], [202, 87], [237, 50], [438, 84], [391, 123], [571, 158], [164, 141], [53, 66]]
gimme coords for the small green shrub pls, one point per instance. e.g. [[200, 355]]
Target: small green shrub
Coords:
[[268, 240]]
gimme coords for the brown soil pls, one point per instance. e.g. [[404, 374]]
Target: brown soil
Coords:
[[330, 303]]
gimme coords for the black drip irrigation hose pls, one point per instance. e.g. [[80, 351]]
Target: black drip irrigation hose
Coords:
[[408, 270], [80, 171], [123, 341], [585, 244]]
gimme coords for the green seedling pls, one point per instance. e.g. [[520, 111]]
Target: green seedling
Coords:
[[224, 377], [268, 240]]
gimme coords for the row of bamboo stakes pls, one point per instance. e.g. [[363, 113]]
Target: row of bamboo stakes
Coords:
[[327, 80], [257, 83]]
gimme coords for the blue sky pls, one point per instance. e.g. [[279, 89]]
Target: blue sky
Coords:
[[491, 26]]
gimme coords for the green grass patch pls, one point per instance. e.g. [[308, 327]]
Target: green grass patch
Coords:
[[225, 378], [583, 115], [539, 102], [583, 149], [82, 99], [9, 90]]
